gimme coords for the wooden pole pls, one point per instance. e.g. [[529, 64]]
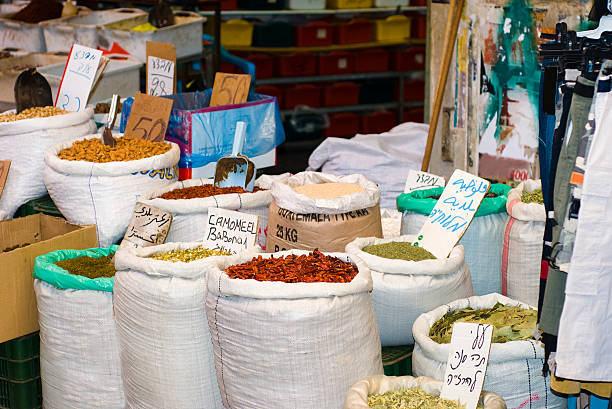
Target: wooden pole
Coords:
[[450, 36]]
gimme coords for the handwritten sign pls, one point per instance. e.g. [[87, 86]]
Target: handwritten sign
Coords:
[[161, 68], [230, 89], [78, 78], [418, 180], [467, 363], [230, 230], [149, 226], [5, 165], [452, 214], [149, 118]]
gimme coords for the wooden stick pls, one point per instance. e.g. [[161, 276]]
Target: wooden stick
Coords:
[[450, 35]]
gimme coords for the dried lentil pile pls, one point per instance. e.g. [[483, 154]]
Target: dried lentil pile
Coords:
[[36, 112], [533, 197], [194, 192], [411, 398], [314, 267], [187, 255], [90, 267], [399, 250], [126, 149]]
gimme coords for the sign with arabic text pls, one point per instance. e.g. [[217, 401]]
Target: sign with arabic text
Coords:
[[149, 226]]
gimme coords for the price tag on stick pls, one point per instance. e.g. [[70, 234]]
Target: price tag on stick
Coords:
[[419, 180], [149, 226], [5, 165], [230, 230], [230, 89], [467, 362], [161, 68], [149, 118], [78, 78], [452, 214]]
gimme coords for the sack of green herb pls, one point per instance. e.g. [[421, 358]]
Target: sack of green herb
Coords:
[[483, 240], [514, 369], [405, 289], [79, 352], [391, 392], [166, 353], [523, 241]]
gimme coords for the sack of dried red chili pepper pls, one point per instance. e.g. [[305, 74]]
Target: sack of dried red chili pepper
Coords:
[[405, 289], [318, 210], [189, 200], [292, 344]]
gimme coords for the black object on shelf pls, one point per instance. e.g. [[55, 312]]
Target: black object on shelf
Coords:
[[273, 34], [261, 4], [376, 92]]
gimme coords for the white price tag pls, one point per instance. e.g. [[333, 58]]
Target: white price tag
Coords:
[[78, 78], [418, 180], [452, 214], [466, 367], [342, 63], [149, 226], [230, 230], [160, 79], [321, 33]]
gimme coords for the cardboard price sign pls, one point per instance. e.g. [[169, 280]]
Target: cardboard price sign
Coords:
[[149, 118], [5, 165], [230, 230], [467, 362], [78, 78], [452, 214], [161, 68], [149, 226], [419, 180], [230, 89]]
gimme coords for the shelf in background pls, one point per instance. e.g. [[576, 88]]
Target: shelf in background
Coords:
[[335, 47], [360, 108], [246, 13], [331, 78]]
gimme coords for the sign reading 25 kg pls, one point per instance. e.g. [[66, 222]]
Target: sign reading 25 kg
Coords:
[[149, 118]]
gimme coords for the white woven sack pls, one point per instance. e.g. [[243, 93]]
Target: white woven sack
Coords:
[[515, 368], [291, 345], [523, 242], [190, 215], [357, 396], [166, 353], [79, 352], [483, 243], [105, 194], [24, 143], [403, 290]]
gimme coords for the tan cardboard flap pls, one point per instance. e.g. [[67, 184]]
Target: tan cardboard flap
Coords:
[[327, 232]]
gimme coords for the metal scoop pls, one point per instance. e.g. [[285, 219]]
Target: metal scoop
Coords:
[[107, 133], [232, 170], [32, 90], [161, 15]]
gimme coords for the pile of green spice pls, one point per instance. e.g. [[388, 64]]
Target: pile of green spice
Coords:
[[412, 398], [400, 250], [533, 197], [90, 267], [510, 323], [188, 255]]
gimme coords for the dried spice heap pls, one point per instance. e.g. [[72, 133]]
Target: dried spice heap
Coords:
[[126, 149], [412, 398], [39, 10], [36, 112], [314, 267], [188, 255], [90, 267], [195, 192], [511, 323], [533, 197], [400, 250]]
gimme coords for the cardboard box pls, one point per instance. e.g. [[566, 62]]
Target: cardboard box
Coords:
[[38, 234]]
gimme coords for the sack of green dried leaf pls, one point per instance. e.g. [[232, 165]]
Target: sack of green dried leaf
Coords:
[[513, 371], [407, 392], [404, 289]]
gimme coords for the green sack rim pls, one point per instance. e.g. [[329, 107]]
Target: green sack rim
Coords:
[[419, 202], [46, 270]]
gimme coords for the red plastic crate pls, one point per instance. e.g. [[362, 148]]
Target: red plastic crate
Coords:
[[336, 62], [314, 34], [272, 91], [418, 29], [374, 60], [342, 125], [298, 65], [418, 2], [225, 5], [409, 59], [341, 94], [414, 90], [264, 65], [229, 68], [414, 115], [302, 94], [355, 31], [378, 122]]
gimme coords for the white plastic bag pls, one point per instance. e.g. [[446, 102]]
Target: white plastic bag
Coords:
[[403, 290], [166, 354], [105, 194], [523, 242], [391, 221], [190, 215], [291, 345], [357, 396], [24, 143], [515, 368]]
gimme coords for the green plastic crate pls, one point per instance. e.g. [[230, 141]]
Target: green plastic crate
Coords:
[[19, 370], [20, 394], [42, 205], [397, 361], [22, 348]]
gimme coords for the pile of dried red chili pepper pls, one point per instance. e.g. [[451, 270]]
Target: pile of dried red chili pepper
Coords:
[[195, 192], [314, 267]]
